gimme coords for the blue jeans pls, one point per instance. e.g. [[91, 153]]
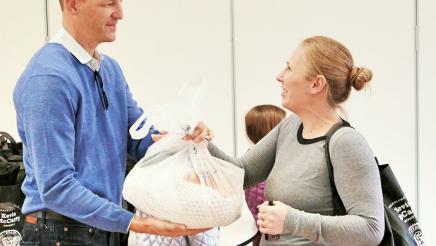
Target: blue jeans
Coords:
[[58, 233]]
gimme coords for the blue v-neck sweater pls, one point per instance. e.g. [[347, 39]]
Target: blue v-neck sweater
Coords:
[[74, 150]]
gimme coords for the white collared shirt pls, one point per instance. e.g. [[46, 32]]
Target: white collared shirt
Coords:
[[68, 41]]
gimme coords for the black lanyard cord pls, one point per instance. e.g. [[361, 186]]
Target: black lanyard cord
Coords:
[[101, 92]]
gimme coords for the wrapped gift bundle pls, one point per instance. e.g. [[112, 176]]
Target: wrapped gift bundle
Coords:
[[179, 181]]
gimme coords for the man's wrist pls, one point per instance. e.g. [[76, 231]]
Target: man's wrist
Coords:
[[130, 224]]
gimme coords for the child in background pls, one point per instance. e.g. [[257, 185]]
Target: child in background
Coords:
[[259, 121]]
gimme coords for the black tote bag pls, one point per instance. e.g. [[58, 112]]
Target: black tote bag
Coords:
[[11, 196], [401, 225]]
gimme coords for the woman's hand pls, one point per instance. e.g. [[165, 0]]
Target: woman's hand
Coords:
[[201, 132], [152, 225], [271, 219]]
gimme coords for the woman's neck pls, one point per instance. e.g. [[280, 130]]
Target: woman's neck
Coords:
[[317, 122]]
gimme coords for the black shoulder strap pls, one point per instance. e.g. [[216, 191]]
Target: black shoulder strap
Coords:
[[338, 206]]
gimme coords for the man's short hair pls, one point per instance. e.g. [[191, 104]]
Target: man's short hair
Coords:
[[61, 2]]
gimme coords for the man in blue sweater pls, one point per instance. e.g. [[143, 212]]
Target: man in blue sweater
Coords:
[[74, 109]]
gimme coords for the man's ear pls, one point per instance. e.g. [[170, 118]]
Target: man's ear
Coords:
[[71, 6], [318, 84]]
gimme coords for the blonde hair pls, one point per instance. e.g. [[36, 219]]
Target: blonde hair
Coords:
[[261, 119], [326, 56]]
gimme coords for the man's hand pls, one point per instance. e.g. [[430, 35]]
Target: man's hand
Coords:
[[157, 137], [201, 132], [152, 225]]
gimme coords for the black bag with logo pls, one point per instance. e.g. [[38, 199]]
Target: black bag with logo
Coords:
[[401, 225], [11, 196]]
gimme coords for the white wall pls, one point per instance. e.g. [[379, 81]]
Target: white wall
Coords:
[[22, 33], [427, 117], [162, 44]]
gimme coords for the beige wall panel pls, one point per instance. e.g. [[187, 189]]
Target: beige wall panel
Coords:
[[163, 44], [22, 34], [427, 118]]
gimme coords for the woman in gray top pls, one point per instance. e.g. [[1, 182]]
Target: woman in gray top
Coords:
[[317, 78]]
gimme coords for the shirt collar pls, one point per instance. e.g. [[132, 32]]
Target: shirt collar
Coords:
[[68, 41]]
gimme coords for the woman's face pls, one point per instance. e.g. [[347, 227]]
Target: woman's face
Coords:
[[295, 86]]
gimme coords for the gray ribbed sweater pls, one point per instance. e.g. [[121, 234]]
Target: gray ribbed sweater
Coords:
[[295, 171]]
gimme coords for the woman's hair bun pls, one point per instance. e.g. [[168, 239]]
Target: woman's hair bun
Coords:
[[359, 76]]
